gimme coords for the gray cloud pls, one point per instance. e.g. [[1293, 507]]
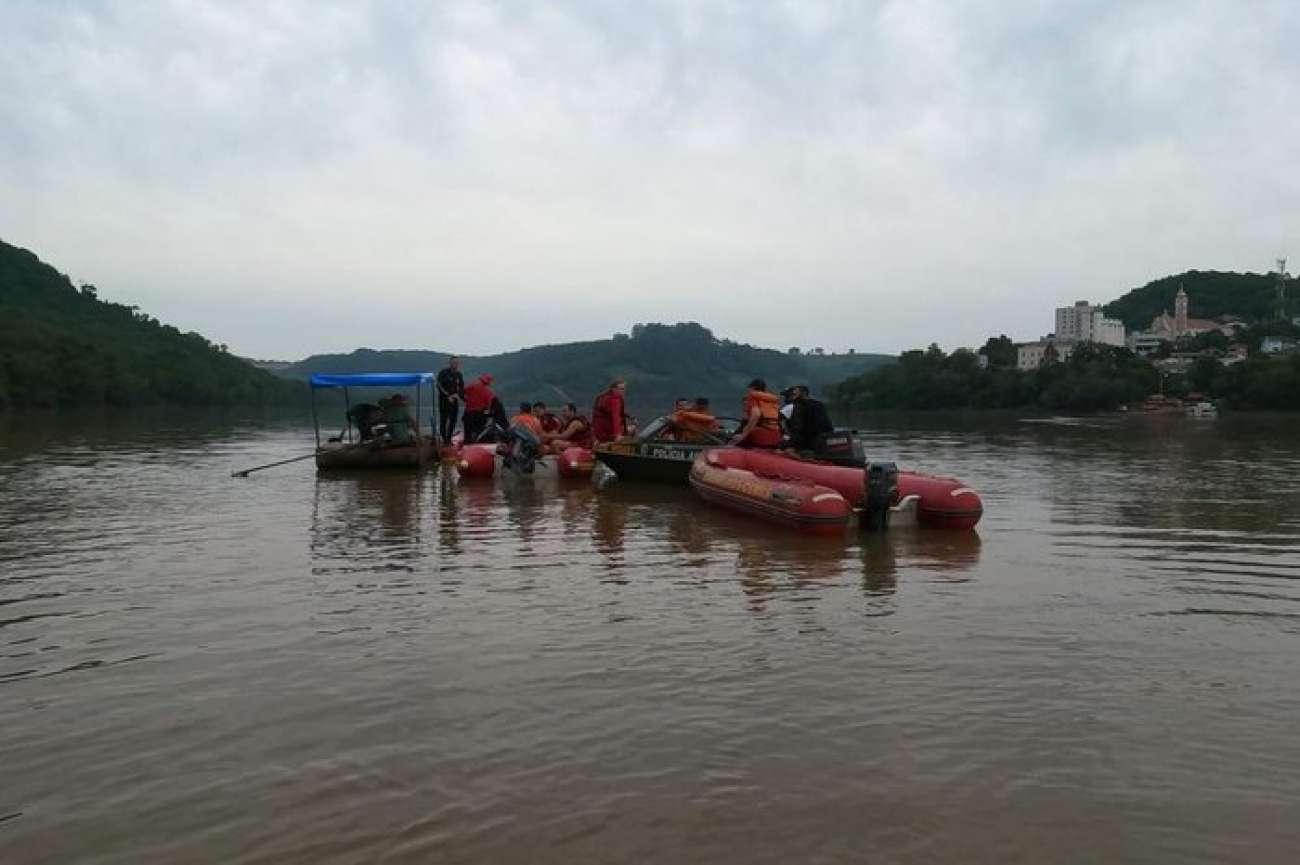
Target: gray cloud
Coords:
[[299, 176]]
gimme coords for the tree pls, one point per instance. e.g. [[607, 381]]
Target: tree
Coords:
[[1204, 373], [1000, 351]]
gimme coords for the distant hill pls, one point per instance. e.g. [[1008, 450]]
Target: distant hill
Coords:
[[60, 345], [659, 361], [1210, 293]]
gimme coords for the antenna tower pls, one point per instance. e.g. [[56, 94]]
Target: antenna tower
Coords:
[[1281, 289]]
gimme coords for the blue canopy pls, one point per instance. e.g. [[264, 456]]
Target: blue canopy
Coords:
[[370, 379]]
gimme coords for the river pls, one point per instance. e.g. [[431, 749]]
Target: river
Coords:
[[408, 668]]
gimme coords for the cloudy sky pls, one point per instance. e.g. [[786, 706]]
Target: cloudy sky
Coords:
[[291, 177]]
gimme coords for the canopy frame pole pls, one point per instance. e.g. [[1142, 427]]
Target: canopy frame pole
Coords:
[[315, 420], [347, 412]]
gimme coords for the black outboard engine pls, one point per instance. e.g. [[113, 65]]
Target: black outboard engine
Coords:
[[521, 450], [881, 480], [841, 447]]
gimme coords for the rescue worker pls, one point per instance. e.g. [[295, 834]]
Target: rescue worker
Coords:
[[397, 421], [761, 414], [526, 418], [575, 430], [478, 403], [808, 422], [695, 422], [451, 396], [550, 423], [608, 414], [366, 416]]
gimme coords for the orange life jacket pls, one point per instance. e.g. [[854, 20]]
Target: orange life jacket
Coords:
[[693, 423], [768, 431], [529, 421]]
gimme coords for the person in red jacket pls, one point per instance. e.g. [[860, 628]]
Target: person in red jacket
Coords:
[[608, 414], [478, 405]]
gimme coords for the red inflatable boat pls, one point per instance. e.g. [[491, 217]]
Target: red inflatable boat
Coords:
[[481, 461], [726, 480], [944, 503]]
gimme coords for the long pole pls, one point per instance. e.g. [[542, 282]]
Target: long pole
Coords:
[[315, 421], [244, 472], [347, 413]]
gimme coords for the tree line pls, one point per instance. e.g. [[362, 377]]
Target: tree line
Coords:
[[62, 345], [1094, 378]]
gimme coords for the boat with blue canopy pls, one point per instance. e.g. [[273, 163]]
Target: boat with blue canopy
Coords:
[[380, 434]]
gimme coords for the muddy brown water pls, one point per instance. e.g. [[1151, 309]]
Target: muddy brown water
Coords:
[[402, 667]]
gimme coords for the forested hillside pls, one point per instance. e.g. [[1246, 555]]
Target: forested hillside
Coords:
[[61, 345], [660, 362], [1210, 293]]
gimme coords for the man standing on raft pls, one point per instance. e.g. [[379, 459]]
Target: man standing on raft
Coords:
[[761, 412], [608, 414], [478, 404], [451, 395]]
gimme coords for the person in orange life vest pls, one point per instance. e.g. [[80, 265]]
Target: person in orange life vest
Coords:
[[575, 430], [761, 413], [608, 416], [478, 404], [671, 431], [695, 423], [527, 419]]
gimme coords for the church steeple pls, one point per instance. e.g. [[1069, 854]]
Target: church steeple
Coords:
[[1180, 312]]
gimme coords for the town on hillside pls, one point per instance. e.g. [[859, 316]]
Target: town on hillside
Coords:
[[1172, 341]]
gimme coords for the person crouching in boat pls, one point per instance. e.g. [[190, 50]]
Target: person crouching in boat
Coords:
[[366, 416], [609, 419], [575, 430], [808, 422], [695, 422], [397, 421], [523, 444], [478, 405], [761, 413]]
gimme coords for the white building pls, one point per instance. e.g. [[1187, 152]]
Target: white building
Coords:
[[1084, 322], [1144, 344], [1031, 355]]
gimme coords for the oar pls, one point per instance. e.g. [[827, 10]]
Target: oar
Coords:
[[244, 473]]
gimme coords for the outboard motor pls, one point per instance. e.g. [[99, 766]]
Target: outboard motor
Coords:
[[841, 447], [881, 480], [521, 450]]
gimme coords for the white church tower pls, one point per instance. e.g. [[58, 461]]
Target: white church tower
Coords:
[[1180, 312]]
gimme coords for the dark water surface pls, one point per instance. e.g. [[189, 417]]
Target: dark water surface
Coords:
[[406, 668]]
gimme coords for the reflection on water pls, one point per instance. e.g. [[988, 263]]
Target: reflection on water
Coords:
[[405, 667]]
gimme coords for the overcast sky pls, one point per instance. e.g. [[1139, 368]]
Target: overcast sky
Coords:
[[292, 177]]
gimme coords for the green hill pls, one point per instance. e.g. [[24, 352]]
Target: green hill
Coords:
[[60, 345], [1210, 293], [659, 361]]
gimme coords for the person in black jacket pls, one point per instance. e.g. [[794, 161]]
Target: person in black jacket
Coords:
[[451, 396], [809, 421]]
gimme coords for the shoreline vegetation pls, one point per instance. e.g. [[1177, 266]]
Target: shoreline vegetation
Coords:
[[62, 346], [1095, 378]]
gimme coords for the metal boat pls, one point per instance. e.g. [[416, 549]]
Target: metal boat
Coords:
[[348, 451], [655, 454]]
